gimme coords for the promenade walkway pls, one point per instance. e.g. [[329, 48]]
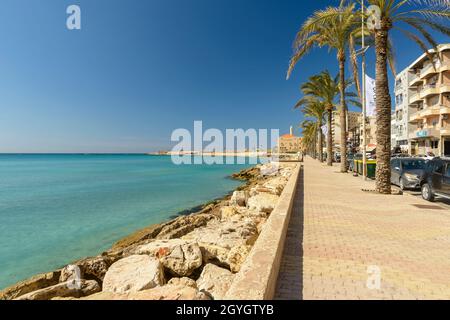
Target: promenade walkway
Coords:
[[344, 243]]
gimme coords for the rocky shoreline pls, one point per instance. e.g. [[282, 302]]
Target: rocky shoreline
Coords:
[[192, 257]]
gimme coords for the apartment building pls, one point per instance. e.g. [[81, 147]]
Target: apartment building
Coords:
[[371, 131], [429, 103], [353, 120], [400, 116]]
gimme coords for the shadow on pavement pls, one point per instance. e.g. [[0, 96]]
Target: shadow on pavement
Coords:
[[290, 277]]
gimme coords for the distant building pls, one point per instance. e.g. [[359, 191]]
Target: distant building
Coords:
[[353, 119], [401, 111], [289, 143], [371, 132]]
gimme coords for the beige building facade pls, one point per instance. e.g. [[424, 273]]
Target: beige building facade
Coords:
[[353, 121], [429, 103], [289, 143]]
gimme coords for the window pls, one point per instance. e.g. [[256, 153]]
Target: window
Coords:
[[438, 167], [395, 163], [413, 164]]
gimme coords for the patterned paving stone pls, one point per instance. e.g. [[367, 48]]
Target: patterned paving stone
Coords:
[[339, 235]]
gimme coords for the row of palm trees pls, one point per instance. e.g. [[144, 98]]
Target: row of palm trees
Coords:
[[340, 30]]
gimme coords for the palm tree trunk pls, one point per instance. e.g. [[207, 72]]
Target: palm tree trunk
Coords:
[[383, 110], [315, 145], [329, 138], [343, 113], [320, 141]]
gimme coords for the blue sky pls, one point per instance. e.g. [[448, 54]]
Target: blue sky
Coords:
[[139, 69]]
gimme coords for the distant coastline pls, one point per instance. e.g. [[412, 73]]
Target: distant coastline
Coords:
[[213, 154]]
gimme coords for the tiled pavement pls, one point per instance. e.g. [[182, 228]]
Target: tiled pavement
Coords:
[[340, 236]]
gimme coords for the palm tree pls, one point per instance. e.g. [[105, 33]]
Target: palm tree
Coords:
[[309, 136], [420, 16], [315, 109], [326, 89], [336, 28]]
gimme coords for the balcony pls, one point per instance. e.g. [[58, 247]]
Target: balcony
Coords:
[[444, 88], [430, 70], [415, 117], [445, 67], [415, 80], [445, 110], [430, 111], [429, 90], [425, 132], [415, 98], [445, 131]]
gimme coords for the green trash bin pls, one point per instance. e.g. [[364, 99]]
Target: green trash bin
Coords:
[[371, 167]]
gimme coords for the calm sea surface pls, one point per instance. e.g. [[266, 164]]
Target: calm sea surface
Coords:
[[58, 208]]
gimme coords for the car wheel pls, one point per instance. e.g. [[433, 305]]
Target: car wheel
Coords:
[[427, 193]]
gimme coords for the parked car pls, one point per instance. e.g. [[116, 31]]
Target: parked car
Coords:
[[427, 156], [400, 155], [437, 179], [407, 173]]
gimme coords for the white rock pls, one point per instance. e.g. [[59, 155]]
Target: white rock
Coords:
[[183, 282], [167, 292], [179, 256], [239, 198], [182, 260], [231, 213], [236, 257], [63, 290], [275, 185], [215, 281], [264, 202], [134, 273]]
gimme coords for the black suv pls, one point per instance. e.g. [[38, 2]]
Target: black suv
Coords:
[[437, 179]]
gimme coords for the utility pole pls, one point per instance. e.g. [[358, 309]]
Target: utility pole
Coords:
[[363, 91]]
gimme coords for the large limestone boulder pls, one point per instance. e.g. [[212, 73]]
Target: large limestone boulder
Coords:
[[167, 292], [226, 234], [134, 273], [263, 202], [229, 213], [183, 225], [236, 257], [157, 248], [239, 198], [269, 169], [183, 282], [218, 238], [169, 230], [275, 185], [93, 268], [65, 289], [183, 259], [179, 257], [215, 281], [35, 283]]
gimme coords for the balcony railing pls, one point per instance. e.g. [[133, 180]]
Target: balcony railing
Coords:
[[430, 69], [429, 90], [415, 80]]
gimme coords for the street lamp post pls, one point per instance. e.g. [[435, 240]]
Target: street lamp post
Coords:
[[363, 67]]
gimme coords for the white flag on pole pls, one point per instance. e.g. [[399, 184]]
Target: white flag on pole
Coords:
[[370, 97]]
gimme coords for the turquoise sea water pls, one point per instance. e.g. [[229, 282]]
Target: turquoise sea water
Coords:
[[55, 209]]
